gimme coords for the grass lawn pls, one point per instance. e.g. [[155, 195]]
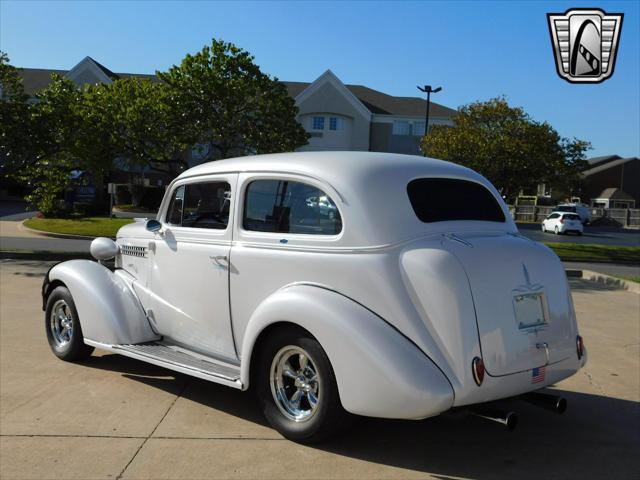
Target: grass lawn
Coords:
[[90, 226], [580, 252]]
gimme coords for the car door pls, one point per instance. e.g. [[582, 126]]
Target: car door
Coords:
[[189, 279], [550, 222]]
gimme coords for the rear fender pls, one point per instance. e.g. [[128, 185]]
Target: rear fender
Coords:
[[107, 306], [379, 372]]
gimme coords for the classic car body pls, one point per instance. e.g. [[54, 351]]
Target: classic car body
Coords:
[[419, 308]]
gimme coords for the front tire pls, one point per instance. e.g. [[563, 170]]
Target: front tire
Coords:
[[63, 327], [296, 387]]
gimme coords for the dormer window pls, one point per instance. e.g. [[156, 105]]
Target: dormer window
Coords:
[[318, 123]]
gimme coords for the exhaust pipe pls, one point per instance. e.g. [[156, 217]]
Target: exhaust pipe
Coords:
[[508, 419], [553, 403]]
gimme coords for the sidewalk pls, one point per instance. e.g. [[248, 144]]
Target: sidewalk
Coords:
[[13, 237]]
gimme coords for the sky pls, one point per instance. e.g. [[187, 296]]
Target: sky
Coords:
[[474, 50]]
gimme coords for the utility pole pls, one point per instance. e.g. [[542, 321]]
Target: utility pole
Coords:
[[428, 90]]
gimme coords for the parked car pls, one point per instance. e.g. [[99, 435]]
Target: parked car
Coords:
[[416, 297], [582, 211], [560, 222]]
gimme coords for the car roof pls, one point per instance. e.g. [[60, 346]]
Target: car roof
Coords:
[[372, 185], [329, 165]]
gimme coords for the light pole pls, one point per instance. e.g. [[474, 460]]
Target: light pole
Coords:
[[428, 90]]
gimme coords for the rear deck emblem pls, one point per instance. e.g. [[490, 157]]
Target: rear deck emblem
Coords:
[[585, 43]]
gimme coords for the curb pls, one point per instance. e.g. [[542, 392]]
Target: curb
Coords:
[[611, 281], [41, 233], [573, 273]]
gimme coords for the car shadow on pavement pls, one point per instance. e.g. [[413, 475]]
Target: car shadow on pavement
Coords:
[[598, 436]]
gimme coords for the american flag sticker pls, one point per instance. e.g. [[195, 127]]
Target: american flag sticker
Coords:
[[537, 375]]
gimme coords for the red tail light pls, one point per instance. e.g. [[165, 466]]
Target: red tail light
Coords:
[[580, 346], [477, 367], [562, 220]]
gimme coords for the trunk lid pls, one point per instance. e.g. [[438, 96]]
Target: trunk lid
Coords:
[[523, 308]]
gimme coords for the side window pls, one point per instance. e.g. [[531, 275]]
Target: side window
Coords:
[[174, 214], [282, 206], [554, 215], [200, 205]]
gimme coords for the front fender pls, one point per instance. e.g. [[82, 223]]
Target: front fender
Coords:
[[379, 372], [108, 308]]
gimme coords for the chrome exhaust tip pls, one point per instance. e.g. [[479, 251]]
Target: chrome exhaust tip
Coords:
[[553, 403], [508, 419]]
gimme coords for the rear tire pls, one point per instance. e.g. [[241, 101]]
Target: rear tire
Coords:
[[557, 232], [298, 396], [63, 329]]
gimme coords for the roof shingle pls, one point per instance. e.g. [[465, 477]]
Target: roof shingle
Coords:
[[377, 102]]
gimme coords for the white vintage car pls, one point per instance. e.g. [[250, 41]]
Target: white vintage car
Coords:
[[408, 294]]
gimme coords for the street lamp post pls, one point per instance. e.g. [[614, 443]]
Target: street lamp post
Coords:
[[428, 90]]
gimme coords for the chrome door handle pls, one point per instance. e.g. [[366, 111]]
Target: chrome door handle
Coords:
[[219, 258], [544, 345]]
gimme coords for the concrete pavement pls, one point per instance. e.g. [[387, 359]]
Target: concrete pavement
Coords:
[[114, 417]]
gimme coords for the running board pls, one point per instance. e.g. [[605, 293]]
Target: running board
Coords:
[[179, 360]]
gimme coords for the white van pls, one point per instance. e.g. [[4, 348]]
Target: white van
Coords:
[[581, 210]]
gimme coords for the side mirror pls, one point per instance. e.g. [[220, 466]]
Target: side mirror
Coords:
[[153, 225], [103, 248]]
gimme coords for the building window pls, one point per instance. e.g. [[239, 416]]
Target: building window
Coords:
[[318, 123], [418, 129], [336, 123], [401, 127]]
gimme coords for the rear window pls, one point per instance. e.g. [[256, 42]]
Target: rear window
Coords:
[[444, 199], [566, 208], [571, 216]]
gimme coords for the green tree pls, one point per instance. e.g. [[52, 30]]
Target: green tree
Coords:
[[53, 127], [231, 104], [142, 124], [508, 147], [14, 118]]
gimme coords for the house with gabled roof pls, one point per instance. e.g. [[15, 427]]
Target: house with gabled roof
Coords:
[[337, 116], [612, 181]]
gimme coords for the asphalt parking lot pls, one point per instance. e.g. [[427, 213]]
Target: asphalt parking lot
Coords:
[[592, 235], [113, 417]]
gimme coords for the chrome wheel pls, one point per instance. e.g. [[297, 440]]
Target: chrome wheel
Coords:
[[295, 383], [61, 323]]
